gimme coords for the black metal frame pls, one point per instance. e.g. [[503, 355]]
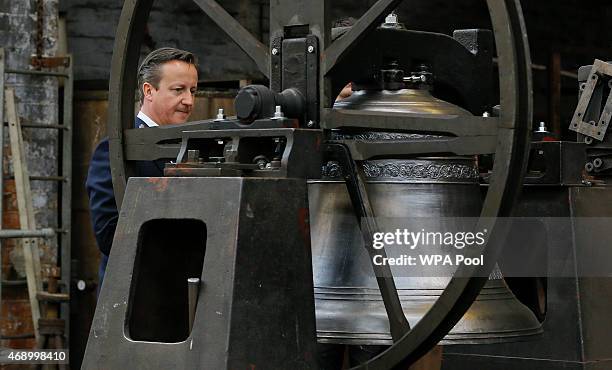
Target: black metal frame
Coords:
[[511, 135], [596, 128], [297, 145]]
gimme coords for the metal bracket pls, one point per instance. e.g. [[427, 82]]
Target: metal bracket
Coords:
[[249, 153], [601, 74], [299, 69], [312, 81]]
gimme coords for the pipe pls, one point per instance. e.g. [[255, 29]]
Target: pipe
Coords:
[[193, 285], [42, 233]]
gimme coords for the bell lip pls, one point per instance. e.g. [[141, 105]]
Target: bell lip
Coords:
[[510, 336], [373, 294], [526, 326]]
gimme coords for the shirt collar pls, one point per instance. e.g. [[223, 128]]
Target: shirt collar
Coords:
[[146, 119]]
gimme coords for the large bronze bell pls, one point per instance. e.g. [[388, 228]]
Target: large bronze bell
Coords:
[[349, 308]]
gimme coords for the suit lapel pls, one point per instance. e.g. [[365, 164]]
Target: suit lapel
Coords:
[[139, 123]]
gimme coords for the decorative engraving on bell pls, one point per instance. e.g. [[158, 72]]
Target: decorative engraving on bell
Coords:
[[349, 308]]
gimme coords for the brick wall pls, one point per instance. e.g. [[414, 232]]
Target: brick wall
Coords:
[[37, 99]]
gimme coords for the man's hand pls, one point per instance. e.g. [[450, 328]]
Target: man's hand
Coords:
[[346, 92]]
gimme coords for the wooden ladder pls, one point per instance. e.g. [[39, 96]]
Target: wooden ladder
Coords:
[[26, 210]]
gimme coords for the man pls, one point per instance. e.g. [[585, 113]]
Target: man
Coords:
[[167, 82]]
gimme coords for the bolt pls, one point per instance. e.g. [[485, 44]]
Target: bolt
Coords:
[[310, 48], [274, 51], [81, 285], [310, 124], [415, 79], [268, 166], [391, 18], [278, 114], [589, 167], [588, 140], [542, 127], [220, 115], [261, 164], [597, 162]]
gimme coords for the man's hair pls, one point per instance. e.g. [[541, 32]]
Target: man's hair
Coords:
[[341, 26], [344, 22], [150, 69]]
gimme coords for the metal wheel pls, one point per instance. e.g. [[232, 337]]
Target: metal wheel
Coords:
[[507, 136]]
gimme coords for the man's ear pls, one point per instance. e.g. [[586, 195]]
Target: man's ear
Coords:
[[147, 91]]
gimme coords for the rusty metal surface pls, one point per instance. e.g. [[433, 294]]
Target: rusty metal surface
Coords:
[[49, 62], [65, 195], [594, 127]]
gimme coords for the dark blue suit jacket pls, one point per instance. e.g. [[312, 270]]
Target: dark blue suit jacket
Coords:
[[99, 186]]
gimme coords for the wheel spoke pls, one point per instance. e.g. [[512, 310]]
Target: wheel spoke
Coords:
[[257, 51], [334, 53]]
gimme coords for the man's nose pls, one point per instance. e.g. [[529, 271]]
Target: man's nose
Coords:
[[188, 98]]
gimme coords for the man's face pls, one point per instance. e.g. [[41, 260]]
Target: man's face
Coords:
[[172, 102]]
